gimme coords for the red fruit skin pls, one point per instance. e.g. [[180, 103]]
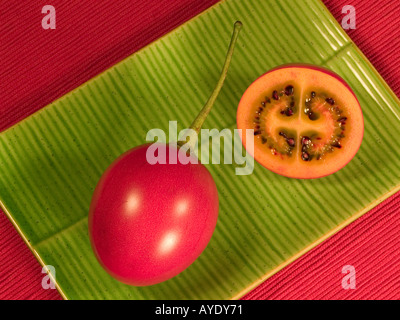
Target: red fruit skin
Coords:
[[148, 223]]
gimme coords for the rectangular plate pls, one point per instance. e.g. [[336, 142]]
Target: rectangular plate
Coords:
[[51, 161]]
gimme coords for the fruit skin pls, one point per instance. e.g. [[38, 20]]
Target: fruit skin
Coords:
[[306, 173], [313, 67], [147, 223]]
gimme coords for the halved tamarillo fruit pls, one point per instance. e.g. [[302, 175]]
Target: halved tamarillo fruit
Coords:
[[307, 121]]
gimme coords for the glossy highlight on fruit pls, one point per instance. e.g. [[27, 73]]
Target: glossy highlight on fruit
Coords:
[[307, 121]]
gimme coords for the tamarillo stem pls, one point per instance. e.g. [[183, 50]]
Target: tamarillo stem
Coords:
[[201, 117]]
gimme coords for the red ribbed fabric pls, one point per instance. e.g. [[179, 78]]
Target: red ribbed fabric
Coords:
[[372, 243], [38, 66]]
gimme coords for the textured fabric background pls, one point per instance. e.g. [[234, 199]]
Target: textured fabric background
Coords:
[[38, 66]]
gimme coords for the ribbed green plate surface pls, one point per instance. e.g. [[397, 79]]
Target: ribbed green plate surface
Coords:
[[51, 161]]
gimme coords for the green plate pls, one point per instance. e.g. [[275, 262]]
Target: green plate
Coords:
[[51, 161]]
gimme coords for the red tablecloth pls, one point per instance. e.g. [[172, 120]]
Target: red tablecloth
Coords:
[[38, 66]]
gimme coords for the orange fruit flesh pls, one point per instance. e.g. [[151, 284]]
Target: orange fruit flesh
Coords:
[[319, 135]]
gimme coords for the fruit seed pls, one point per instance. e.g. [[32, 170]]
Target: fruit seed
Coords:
[[330, 101], [289, 90], [305, 156]]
